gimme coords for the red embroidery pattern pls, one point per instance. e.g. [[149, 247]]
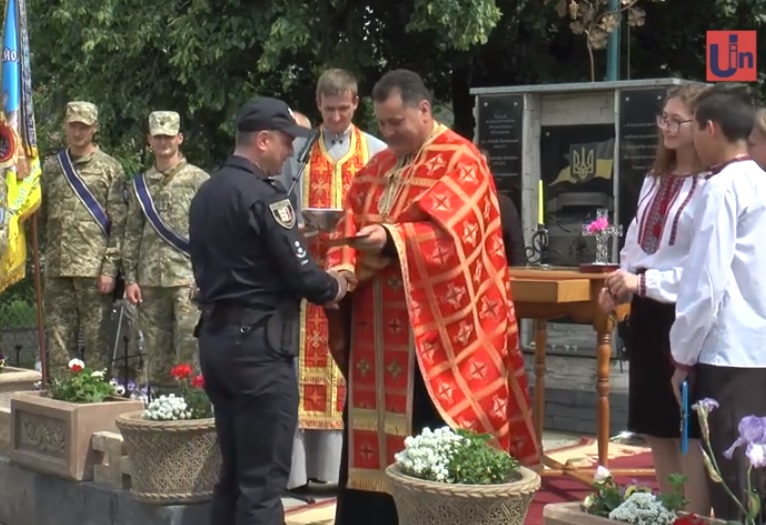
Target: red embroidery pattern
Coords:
[[718, 168], [655, 216], [681, 208]]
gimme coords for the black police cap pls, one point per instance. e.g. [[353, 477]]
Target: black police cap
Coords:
[[268, 114]]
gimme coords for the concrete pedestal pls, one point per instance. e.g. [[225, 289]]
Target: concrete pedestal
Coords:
[[18, 379], [32, 498]]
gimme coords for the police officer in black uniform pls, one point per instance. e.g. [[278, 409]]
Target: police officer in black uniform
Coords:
[[252, 269]]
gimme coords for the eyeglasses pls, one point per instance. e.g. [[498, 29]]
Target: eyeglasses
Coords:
[[671, 125]]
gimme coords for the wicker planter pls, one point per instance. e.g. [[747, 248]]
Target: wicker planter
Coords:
[[420, 502], [171, 462], [52, 436]]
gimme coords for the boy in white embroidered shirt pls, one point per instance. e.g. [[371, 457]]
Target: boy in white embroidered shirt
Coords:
[[719, 336]]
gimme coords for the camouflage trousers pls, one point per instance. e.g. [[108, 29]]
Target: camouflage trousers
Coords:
[[72, 304], [167, 317]]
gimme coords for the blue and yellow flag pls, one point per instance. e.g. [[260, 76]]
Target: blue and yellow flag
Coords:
[[19, 158]]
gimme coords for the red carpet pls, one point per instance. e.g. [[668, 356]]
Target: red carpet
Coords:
[[557, 489]]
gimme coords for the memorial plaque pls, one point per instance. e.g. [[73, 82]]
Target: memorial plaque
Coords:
[[637, 147], [577, 167], [500, 119]]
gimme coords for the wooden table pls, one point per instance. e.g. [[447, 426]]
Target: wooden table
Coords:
[[545, 294]]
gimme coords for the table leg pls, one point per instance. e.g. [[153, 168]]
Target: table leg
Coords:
[[541, 340], [603, 353]]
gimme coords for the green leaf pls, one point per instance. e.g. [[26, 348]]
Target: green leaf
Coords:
[[753, 505]]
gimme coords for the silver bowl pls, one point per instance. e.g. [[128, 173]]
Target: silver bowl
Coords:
[[323, 219]]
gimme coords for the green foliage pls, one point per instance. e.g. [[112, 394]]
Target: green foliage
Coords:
[[81, 385], [17, 313], [476, 462], [191, 386], [607, 495], [204, 58], [196, 398], [675, 501], [448, 19]]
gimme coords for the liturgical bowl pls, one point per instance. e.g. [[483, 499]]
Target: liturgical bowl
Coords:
[[324, 219]]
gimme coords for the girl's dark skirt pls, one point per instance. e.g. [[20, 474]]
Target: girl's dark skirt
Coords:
[[652, 406]]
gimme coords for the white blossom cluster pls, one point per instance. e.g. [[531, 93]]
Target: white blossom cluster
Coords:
[[167, 408], [643, 508], [428, 455]]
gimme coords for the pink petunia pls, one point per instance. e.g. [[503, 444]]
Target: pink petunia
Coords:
[[598, 225]]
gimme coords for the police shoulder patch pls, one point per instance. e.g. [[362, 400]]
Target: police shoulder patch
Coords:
[[283, 213]]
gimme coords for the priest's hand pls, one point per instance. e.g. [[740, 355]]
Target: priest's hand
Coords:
[[676, 381], [606, 301], [105, 284], [373, 238], [622, 284]]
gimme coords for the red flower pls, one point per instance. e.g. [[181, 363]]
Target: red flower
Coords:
[[76, 368], [198, 381], [182, 371]]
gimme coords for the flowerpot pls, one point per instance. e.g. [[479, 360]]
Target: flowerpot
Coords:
[[171, 462], [420, 502], [52, 436], [18, 379]]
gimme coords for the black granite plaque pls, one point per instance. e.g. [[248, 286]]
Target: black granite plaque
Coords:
[[577, 167], [500, 119], [638, 144]]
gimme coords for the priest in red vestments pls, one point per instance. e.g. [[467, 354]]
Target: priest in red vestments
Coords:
[[429, 335]]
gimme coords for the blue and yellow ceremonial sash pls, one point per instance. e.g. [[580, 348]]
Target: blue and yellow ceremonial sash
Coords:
[[150, 212], [83, 193]]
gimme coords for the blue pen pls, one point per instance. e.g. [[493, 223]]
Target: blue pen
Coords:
[[684, 417]]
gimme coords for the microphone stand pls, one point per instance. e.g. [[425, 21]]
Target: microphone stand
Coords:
[[303, 159]]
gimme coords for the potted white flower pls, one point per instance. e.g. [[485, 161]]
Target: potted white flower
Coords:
[[455, 477], [172, 445]]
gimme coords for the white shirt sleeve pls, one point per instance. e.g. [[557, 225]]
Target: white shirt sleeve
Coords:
[[706, 272], [631, 241], [662, 285]]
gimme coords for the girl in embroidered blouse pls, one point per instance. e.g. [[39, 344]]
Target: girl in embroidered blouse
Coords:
[[656, 246], [758, 139]]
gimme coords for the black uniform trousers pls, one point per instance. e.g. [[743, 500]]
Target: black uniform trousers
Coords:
[[361, 507], [254, 392]]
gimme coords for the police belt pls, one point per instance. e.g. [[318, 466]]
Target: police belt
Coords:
[[280, 323], [236, 313]]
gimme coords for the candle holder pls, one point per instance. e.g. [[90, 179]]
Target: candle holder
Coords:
[[539, 252]]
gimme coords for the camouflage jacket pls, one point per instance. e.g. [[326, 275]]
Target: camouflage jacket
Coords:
[[148, 259], [75, 245]]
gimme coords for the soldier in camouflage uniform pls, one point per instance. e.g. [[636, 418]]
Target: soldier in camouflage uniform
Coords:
[[158, 271], [83, 218]]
